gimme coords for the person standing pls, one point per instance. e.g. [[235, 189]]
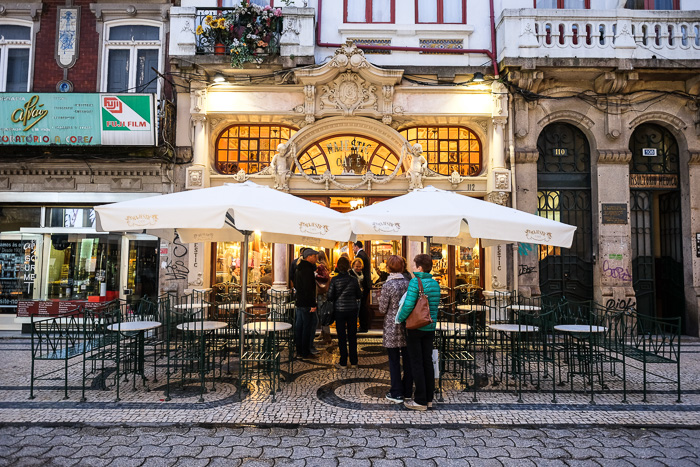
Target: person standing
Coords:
[[365, 312], [420, 341], [305, 286], [395, 334], [323, 278], [344, 293], [293, 265]]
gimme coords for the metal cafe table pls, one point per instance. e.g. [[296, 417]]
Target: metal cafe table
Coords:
[[140, 328], [507, 342], [586, 355]]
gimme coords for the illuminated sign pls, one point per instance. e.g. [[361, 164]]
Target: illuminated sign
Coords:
[[73, 119]]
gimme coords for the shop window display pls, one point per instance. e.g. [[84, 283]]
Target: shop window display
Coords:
[[468, 267], [228, 265]]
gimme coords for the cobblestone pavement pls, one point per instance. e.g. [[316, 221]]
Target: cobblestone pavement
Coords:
[[152, 446], [317, 394]]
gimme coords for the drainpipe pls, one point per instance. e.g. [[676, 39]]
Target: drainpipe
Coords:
[[513, 192], [490, 53]]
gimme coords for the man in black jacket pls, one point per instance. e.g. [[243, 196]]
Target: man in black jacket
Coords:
[[305, 286], [365, 312]]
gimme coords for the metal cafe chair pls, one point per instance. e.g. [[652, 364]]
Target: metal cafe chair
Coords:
[[147, 309], [188, 358], [455, 343], [260, 357], [224, 309], [282, 309], [104, 348], [533, 351]]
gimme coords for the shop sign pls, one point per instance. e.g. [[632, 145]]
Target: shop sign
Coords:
[[27, 308], [17, 270], [75, 119], [664, 181], [614, 213], [649, 152]]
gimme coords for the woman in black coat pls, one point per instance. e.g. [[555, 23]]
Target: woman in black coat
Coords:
[[345, 292]]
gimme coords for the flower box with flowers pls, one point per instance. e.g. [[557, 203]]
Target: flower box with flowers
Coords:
[[249, 32]]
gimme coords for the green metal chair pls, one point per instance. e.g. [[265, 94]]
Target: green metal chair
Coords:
[[261, 336], [104, 347], [455, 342], [533, 353], [282, 309]]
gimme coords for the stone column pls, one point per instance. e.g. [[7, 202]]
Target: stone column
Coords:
[[280, 264], [414, 248], [526, 196], [198, 173], [692, 286], [612, 270]]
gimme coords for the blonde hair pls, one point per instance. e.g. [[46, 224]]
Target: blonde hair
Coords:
[[362, 263]]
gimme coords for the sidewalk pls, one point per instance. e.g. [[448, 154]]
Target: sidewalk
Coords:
[[320, 395]]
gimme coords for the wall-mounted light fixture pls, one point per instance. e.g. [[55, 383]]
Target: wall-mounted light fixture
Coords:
[[478, 77], [219, 78]]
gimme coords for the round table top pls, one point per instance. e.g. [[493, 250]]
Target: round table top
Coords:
[[131, 326], [524, 307], [451, 327], [579, 328], [234, 306], [513, 328], [201, 325], [472, 307], [188, 306], [266, 326], [286, 305]]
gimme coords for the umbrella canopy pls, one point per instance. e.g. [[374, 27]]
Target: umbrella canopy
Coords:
[[455, 219], [223, 213]]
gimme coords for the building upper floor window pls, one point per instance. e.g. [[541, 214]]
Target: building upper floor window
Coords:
[[441, 11], [249, 147], [653, 4], [235, 3], [573, 4], [369, 11], [15, 49], [448, 148], [132, 51]]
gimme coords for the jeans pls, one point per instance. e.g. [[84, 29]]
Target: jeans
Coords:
[[346, 327], [400, 387], [303, 331], [314, 326], [420, 352]]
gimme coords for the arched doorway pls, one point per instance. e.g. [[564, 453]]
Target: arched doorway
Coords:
[[655, 221], [564, 194]]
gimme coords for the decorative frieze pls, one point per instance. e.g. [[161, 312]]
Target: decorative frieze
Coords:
[[614, 156], [526, 156]]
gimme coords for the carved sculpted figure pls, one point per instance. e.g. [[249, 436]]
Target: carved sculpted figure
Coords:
[[418, 167], [281, 165]]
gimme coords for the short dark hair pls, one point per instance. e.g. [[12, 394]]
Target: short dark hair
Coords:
[[394, 263], [424, 261], [359, 244], [343, 264]]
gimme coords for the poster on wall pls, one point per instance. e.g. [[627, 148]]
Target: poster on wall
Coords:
[[17, 272], [75, 119]]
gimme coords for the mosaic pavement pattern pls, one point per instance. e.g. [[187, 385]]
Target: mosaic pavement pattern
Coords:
[[318, 394]]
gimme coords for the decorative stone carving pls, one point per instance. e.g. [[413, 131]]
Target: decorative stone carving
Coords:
[[499, 197], [348, 85], [614, 156], [195, 177], [500, 100], [666, 117], [501, 180], [280, 165], [694, 158], [418, 166], [240, 176], [526, 156], [614, 82], [566, 115], [199, 101], [348, 93], [496, 284]]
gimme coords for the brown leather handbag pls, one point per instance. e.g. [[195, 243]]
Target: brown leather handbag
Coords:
[[420, 316]]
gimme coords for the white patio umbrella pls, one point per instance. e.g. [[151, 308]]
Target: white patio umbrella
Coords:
[[455, 219], [228, 213]]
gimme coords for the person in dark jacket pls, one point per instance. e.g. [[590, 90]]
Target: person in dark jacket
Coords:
[[365, 312], [420, 341], [293, 265], [305, 286], [344, 293]]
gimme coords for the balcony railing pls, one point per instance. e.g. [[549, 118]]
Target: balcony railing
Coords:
[[604, 34], [204, 46]]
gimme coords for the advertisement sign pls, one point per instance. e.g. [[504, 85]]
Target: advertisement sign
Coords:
[[72, 119]]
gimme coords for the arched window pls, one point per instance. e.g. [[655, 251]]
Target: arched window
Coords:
[[654, 150], [249, 147], [345, 154], [448, 148]]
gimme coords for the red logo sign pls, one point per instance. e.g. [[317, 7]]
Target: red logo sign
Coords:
[[113, 105]]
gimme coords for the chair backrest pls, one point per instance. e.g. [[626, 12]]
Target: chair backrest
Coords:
[[281, 306]]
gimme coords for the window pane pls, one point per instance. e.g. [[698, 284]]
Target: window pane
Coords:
[[145, 76], [579, 4], [546, 3], [381, 11], [17, 70], [663, 4], [356, 11], [635, 4], [451, 11], [137, 32], [118, 70], [257, 2], [427, 11], [14, 32]]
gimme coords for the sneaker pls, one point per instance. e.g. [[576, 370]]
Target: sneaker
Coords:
[[341, 367], [409, 404], [395, 400]]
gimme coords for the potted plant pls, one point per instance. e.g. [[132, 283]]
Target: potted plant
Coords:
[[214, 34]]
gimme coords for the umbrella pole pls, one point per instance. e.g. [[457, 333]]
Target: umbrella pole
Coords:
[[427, 244], [244, 290]]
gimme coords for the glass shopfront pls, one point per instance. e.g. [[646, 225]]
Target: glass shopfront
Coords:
[[228, 261]]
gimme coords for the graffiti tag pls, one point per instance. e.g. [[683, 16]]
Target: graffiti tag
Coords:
[[176, 270], [524, 249], [179, 250], [616, 273], [620, 304], [524, 269]]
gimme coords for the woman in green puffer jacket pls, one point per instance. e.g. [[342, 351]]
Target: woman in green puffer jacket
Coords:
[[420, 341]]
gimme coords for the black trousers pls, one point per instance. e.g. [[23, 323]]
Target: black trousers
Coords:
[[366, 314], [420, 352], [400, 387], [346, 327]]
